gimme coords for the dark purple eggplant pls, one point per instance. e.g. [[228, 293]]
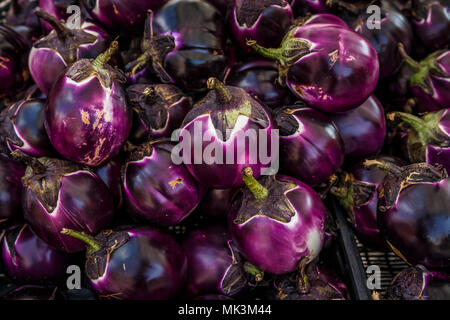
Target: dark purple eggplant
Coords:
[[217, 202], [304, 7], [133, 264], [11, 173], [111, 174], [22, 19]]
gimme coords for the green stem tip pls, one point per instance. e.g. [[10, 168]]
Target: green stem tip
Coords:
[[104, 57], [259, 191], [410, 61], [220, 88], [89, 240]]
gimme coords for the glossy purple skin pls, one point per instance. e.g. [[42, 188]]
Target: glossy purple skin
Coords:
[[150, 266], [28, 259], [111, 174], [315, 150], [258, 78], [363, 129], [302, 7], [326, 18], [277, 247], [394, 28], [432, 25], [25, 119], [11, 173], [217, 202], [418, 225], [209, 258], [365, 216], [269, 28], [439, 96], [121, 14], [12, 64], [86, 122], [200, 35], [159, 191], [55, 8], [46, 64], [84, 204]]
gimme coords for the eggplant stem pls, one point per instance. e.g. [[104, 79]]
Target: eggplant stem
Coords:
[[104, 57], [303, 283], [258, 190], [383, 165], [424, 129], [89, 240], [61, 31], [410, 61], [271, 53], [220, 88], [255, 271]]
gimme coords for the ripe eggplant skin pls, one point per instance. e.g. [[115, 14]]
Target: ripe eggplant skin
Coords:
[[418, 283], [214, 267], [87, 116], [363, 129], [327, 65], [431, 20], [217, 202], [279, 225], [11, 173], [60, 194], [22, 128], [303, 7], [28, 259], [111, 174], [265, 21], [136, 263], [413, 212], [156, 189], [311, 148]]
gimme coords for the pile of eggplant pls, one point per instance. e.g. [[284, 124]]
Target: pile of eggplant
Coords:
[[96, 97]]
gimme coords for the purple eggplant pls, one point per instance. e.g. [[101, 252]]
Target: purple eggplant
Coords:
[[328, 66], [22, 19], [52, 54], [277, 223], [13, 66], [357, 193], [303, 7], [214, 266], [161, 107], [11, 173], [363, 129], [265, 21], [430, 80], [121, 14], [111, 174], [155, 188], [57, 8], [133, 264], [59, 194], [216, 128], [217, 202], [258, 78], [28, 259], [414, 212], [311, 148], [418, 283], [184, 44], [87, 116], [22, 128], [428, 140], [431, 19]]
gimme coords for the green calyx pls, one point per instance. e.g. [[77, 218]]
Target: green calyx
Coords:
[[259, 191], [93, 245], [254, 271]]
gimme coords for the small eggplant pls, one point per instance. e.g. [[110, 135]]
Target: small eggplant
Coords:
[[111, 174], [11, 173], [22, 128], [161, 107], [184, 44], [429, 137], [363, 129], [60, 194], [155, 188], [414, 212], [217, 202], [277, 223], [258, 78], [329, 66], [52, 54], [357, 193], [28, 259], [265, 21], [229, 123], [87, 116], [418, 283], [22, 19], [133, 264], [431, 19], [430, 80], [214, 266], [311, 148], [121, 14]]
